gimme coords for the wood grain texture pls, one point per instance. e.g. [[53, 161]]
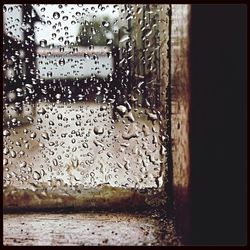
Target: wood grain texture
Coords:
[[89, 229], [180, 104], [180, 94]]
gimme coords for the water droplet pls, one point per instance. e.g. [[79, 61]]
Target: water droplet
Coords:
[[13, 154], [124, 39], [41, 111], [62, 61], [130, 117], [42, 172], [30, 88], [98, 130], [152, 116], [43, 43], [49, 74], [30, 119], [59, 116], [75, 162], [23, 164], [110, 155], [58, 96], [103, 107], [33, 135], [10, 9], [105, 24], [6, 151], [138, 11], [149, 33], [45, 135], [55, 162], [93, 31], [5, 161], [39, 120], [131, 133], [97, 143], [21, 153], [109, 41], [145, 130], [6, 132], [121, 109], [36, 176], [14, 121], [56, 15], [78, 123]]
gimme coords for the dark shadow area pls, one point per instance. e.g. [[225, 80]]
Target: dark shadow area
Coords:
[[218, 124]]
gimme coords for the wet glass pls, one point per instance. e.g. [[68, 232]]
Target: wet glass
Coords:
[[85, 104]]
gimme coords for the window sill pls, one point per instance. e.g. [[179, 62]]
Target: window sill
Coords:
[[89, 229]]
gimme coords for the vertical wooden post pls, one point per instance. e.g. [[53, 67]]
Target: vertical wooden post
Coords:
[[180, 102]]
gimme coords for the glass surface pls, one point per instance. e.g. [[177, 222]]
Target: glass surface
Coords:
[[84, 99]]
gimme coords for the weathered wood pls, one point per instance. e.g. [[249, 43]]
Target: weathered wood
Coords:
[[180, 100], [89, 229]]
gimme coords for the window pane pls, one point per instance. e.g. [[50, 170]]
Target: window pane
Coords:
[[85, 104]]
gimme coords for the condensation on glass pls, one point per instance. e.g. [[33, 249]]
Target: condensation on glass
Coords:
[[85, 104]]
